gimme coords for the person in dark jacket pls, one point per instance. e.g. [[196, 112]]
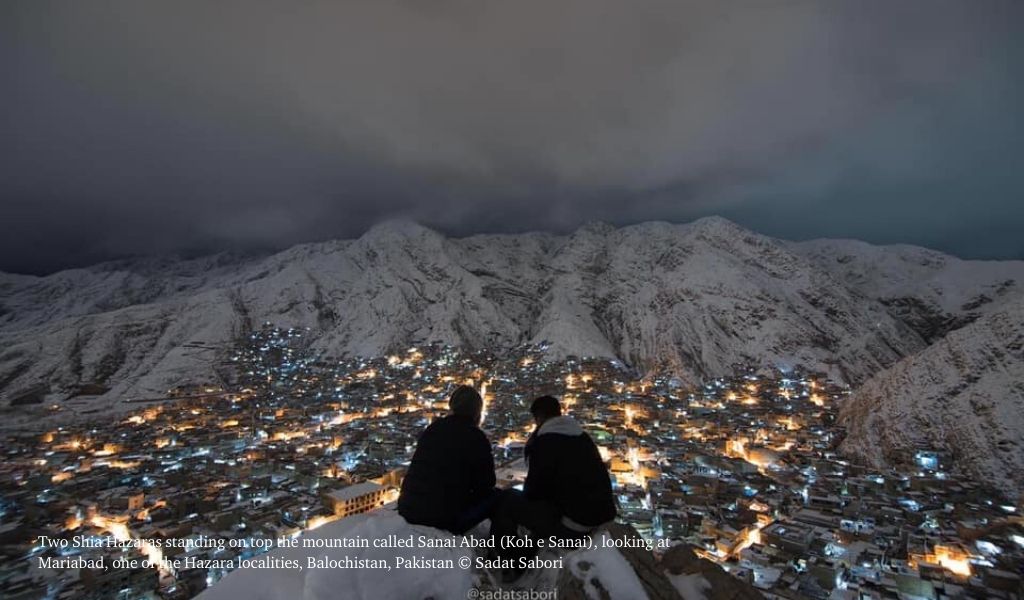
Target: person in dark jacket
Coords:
[[450, 481], [567, 493], [566, 469]]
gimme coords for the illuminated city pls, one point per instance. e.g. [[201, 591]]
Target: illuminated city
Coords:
[[552, 300], [743, 468]]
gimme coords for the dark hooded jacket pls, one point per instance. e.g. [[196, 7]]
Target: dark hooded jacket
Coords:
[[566, 470], [451, 471]]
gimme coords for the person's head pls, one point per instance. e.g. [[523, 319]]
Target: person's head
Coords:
[[544, 408], [466, 402]]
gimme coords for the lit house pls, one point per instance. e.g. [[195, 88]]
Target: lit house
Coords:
[[355, 499]]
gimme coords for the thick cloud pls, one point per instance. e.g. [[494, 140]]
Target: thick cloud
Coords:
[[153, 127]]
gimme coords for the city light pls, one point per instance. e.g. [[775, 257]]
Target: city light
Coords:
[[732, 467]]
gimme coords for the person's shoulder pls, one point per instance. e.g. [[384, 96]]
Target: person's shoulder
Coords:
[[479, 436], [461, 427], [437, 426], [560, 442], [542, 442]]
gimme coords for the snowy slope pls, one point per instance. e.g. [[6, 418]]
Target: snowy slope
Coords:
[[695, 297], [933, 292], [964, 395], [599, 572], [718, 294], [26, 301], [355, 583]]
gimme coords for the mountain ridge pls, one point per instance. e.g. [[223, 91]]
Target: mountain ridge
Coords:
[[962, 396], [694, 298]]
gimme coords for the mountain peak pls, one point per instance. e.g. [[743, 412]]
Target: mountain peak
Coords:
[[715, 224], [399, 228]]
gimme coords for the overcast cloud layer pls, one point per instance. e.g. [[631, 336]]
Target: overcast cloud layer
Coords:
[[150, 127]]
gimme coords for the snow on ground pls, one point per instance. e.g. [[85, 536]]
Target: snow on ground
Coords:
[[352, 584], [605, 569], [604, 572], [692, 587]]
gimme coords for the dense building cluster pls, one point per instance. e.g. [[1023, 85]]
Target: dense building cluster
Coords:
[[743, 468]]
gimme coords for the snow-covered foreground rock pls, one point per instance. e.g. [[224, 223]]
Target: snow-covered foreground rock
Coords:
[[696, 298], [601, 573], [352, 583], [963, 395], [627, 573]]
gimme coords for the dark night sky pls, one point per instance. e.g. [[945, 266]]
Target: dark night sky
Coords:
[[142, 127]]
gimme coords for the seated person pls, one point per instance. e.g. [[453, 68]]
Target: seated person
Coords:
[[450, 482], [567, 492]]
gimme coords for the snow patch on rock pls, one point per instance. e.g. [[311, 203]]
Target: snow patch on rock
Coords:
[[354, 584]]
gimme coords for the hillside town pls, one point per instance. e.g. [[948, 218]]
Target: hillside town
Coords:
[[742, 468]]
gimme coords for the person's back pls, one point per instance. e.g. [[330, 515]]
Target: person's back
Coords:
[[567, 492], [566, 470], [451, 472]]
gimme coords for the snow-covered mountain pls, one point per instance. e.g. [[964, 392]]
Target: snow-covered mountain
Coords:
[[695, 298], [963, 395], [932, 292]]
